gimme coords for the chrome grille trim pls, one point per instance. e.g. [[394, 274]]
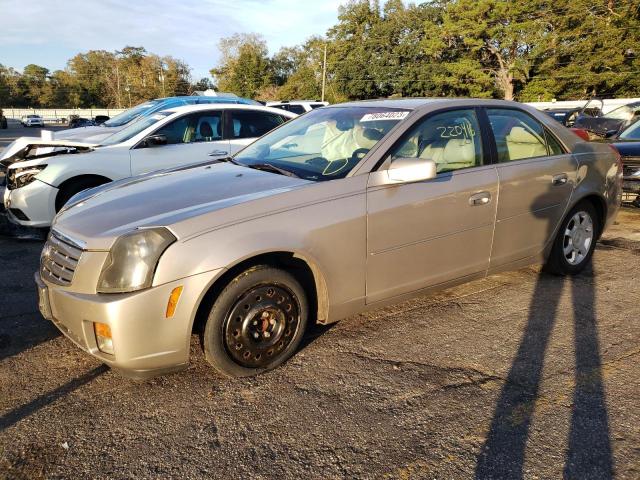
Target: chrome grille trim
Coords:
[[59, 259]]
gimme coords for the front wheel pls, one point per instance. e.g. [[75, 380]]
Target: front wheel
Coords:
[[256, 323], [575, 241]]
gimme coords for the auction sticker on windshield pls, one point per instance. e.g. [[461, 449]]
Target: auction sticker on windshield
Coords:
[[374, 117]]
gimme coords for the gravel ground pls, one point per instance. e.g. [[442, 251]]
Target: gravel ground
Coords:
[[520, 375]]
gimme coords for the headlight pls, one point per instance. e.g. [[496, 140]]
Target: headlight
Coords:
[[20, 177], [133, 259]]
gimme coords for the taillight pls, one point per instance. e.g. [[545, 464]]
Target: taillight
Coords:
[[618, 157], [583, 134]]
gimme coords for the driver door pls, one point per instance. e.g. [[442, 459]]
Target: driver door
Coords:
[[427, 233], [192, 138]]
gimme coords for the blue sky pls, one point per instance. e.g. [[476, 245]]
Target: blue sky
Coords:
[[49, 32]]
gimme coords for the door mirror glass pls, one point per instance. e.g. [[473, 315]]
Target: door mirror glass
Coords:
[[406, 170], [155, 140]]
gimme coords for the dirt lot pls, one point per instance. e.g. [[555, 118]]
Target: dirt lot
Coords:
[[518, 375]]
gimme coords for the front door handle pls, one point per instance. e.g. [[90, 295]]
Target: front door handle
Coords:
[[218, 153], [480, 198], [559, 179]]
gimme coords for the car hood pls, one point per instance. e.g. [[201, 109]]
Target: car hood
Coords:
[[628, 148], [169, 198], [25, 148], [599, 125]]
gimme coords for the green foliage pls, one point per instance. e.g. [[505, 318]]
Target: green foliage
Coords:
[[526, 50], [245, 67], [96, 78]]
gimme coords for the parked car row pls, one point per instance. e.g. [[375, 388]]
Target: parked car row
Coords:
[[346, 208], [43, 175]]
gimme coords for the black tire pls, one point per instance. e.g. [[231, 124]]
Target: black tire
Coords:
[[69, 189], [256, 323], [560, 263]]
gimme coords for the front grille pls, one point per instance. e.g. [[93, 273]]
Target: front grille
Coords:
[[59, 260]]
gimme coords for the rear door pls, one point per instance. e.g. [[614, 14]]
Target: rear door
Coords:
[[192, 138], [245, 125], [427, 233], [537, 176]]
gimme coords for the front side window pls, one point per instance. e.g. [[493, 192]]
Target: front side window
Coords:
[[451, 139], [252, 124], [195, 127], [324, 144], [518, 136]]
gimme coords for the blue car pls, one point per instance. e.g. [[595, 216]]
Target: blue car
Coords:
[[111, 126]]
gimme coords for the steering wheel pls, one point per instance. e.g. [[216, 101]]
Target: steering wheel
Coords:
[[359, 154], [319, 161]]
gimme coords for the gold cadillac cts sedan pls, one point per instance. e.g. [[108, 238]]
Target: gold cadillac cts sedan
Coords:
[[346, 208]]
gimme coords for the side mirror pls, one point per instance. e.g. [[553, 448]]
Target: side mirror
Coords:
[[155, 140], [407, 170]]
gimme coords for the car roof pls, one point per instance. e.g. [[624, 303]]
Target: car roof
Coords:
[[416, 103], [226, 106]]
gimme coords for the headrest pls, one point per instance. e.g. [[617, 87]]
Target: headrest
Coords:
[[460, 150], [206, 130], [520, 135]]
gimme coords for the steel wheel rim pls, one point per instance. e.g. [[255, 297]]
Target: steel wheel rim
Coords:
[[578, 238], [261, 325]]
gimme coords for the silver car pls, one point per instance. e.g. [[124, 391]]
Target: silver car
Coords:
[[347, 208]]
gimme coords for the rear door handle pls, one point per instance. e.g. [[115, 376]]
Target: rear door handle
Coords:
[[559, 179], [218, 153], [480, 198]]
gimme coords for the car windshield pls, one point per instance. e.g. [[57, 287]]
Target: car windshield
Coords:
[[130, 114], [622, 113], [632, 132], [324, 144], [134, 129]]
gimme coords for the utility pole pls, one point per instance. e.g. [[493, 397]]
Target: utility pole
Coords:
[[162, 78], [324, 71], [118, 85]]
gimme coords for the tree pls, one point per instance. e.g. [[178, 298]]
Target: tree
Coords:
[[490, 39], [591, 49], [245, 67]]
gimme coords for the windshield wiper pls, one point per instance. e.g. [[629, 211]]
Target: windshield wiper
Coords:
[[267, 167], [229, 160]]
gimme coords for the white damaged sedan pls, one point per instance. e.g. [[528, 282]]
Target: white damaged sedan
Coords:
[[43, 174]]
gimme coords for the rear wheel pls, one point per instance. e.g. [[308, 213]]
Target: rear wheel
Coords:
[[256, 323], [575, 241]]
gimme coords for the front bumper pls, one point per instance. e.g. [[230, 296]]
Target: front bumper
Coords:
[[145, 343], [36, 200]]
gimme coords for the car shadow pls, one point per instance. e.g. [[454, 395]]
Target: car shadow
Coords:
[[19, 413], [21, 325], [588, 450]]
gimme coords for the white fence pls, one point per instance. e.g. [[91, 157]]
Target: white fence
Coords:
[[53, 115]]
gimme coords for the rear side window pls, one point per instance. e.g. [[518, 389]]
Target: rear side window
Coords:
[[518, 136], [555, 148], [252, 124], [299, 109], [451, 139]]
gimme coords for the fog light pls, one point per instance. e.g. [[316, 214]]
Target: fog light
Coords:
[[103, 337], [173, 301]]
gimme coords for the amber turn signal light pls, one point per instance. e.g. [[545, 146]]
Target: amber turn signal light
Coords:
[[173, 301]]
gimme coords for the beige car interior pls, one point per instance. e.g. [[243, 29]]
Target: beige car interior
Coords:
[[521, 144]]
